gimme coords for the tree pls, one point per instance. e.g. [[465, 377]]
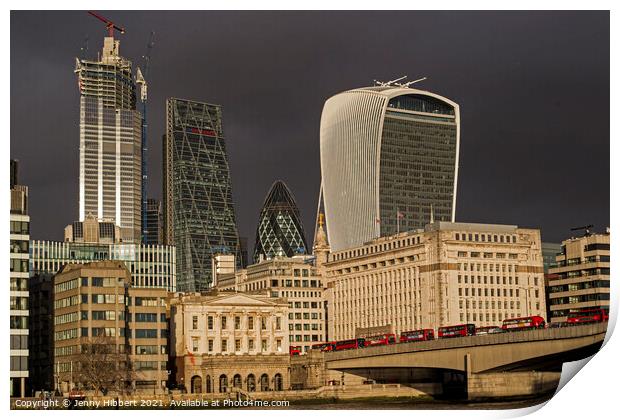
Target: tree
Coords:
[[103, 365]]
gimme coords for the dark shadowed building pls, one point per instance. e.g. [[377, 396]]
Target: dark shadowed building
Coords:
[[279, 232], [199, 215]]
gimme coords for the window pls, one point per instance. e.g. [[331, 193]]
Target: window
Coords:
[[224, 346], [278, 323], [194, 322], [263, 345], [223, 319], [210, 345], [195, 341], [210, 322], [251, 344], [237, 322], [237, 345], [263, 323], [250, 322]]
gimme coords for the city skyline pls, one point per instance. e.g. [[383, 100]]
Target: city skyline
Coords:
[[528, 181]]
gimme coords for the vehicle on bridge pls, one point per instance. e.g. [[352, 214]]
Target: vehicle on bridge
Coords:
[[456, 331], [329, 346], [294, 350], [524, 323], [354, 343], [380, 340], [493, 329], [588, 316], [417, 335]]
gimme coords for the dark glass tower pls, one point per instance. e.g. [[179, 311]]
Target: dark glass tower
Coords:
[[152, 216], [198, 207], [279, 231]]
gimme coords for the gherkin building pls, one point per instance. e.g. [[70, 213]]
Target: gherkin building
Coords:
[[279, 231]]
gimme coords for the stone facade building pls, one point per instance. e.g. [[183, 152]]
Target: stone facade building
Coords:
[[297, 280], [580, 279], [95, 307], [446, 274], [226, 340]]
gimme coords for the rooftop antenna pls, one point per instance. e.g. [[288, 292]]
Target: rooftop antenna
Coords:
[[391, 82], [406, 85]]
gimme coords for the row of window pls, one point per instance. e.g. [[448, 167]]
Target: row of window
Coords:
[[580, 286], [305, 315], [237, 322], [491, 292], [224, 345], [498, 255], [375, 248], [295, 283], [483, 237]]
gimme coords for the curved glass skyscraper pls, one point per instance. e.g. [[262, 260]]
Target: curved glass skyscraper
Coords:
[[279, 231], [389, 154]]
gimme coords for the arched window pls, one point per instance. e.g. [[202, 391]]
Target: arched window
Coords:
[[209, 389], [196, 385], [223, 383], [277, 381], [251, 383], [264, 382], [237, 381]]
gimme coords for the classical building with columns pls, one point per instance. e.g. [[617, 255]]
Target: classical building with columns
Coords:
[[229, 340], [444, 274]]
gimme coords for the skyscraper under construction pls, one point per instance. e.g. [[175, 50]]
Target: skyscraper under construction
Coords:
[[199, 217], [110, 141]]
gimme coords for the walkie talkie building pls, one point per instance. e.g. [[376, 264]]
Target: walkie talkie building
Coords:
[[389, 154]]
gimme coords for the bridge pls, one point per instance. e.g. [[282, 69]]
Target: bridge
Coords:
[[493, 365], [514, 351]]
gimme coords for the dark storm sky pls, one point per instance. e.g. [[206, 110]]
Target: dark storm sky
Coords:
[[533, 89]]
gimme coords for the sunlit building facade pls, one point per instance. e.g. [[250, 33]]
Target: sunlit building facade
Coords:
[[444, 274], [110, 185], [389, 162], [580, 278], [19, 260]]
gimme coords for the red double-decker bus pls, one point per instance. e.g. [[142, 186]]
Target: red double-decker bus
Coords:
[[588, 316], [525, 323], [456, 331], [417, 335], [353, 343], [329, 346], [380, 340], [294, 350]]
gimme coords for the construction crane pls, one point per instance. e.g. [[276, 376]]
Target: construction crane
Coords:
[[141, 79], [110, 26], [84, 48], [584, 228]]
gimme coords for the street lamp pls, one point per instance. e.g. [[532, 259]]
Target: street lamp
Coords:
[[527, 300]]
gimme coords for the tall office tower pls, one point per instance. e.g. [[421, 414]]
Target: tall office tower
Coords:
[[389, 162], [19, 271], [110, 142], [153, 221], [198, 213], [279, 232]]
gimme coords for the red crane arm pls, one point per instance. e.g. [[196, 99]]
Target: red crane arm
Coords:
[[109, 24]]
